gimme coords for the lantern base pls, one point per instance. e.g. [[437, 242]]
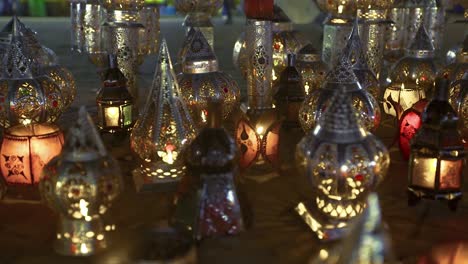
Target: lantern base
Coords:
[[415, 194], [79, 237], [325, 229], [157, 177]]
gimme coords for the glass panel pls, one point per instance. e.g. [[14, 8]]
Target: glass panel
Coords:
[[450, 174], [424, 172], [127, 115], [112, 115]]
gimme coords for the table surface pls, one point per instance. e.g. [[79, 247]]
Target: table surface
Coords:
[[277, 235]]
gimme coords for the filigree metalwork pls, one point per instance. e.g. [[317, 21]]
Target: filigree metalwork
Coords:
[[312, 69]]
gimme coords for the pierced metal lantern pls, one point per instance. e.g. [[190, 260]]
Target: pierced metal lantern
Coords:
[[409, 124], [26, 149], [411, 78], [198, 15], [335, 33], [459, 101], [395, 34], [149, 35], [80, 184], [163, 129], [312, 69], [207, 202], [350, 72], [338, 8], [437, 153], [114, 102], [202, 80], [344, 163], [126, 5], [86, 19]]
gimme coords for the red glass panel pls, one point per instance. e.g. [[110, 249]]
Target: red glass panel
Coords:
[[409, 125], [258, 9]]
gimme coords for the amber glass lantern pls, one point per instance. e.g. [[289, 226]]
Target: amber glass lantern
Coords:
[[162, 131], [201, 80], [437, 153], [80, 185], [344, 163], [114, 102], [25, 151], [311, 67], [411, 78]]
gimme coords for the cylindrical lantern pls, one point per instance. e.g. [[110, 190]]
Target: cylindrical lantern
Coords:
[[149, 35], [437, 153], [81, 184], [344, 163], [163, 129], [207, 202], [77, 14], [412, 77], [409, 123], [312, 69], [335, 32], [25, 151], [202, 80], [86, 27], [258, 9], [459, 101], [395, 35], [114, 102]]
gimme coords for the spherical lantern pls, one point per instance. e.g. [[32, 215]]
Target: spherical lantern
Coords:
[[115, 104], [409, 124], [81, 184], [25, 151], [412, 77], [437, 153], [311, 67], [344, 163], [163, 129], [207, 202], [201, 80]]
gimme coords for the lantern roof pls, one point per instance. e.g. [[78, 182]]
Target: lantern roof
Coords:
[[199, 57], [342, 73], [279, 16], [421, 43], [308, 53], [354, 50]]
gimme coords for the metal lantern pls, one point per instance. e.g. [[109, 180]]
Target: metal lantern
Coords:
[[409, 124], [395, 35], [125, 5], [198, 15], [26, 149], [411, 78], [80, 184], [344, 163], [163, 129], [202, 80], [312, 69], [258, 9], [207, 202], [459, 101], [338, 8], [335, 33], [351, 60], [86, 19], [114, 102], [437, 153], [149, 35]]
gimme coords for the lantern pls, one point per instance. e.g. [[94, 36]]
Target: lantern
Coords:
[[86, 18], [149, 35], [207, 202], [412, 77], [201, 80], [25, 151], [459, 101], [335, 30], [312, 69], [437, 153], [80, 184], [163, 129], [451, 252], [258, 9], [125, 5], [114, 102], [456, 70], [198, 15], [409, 124], [77, 10], [367, 242], [395, 34], [338, 8], [352, 60], [344, 163]]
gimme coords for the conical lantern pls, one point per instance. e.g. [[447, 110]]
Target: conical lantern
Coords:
[[163, 129], [352, 61], [411, 78], [313, 70], [367, 241], [80, 184], [207, 203], [344, 163], [202, 80]]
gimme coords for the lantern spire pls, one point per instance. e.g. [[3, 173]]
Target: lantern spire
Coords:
[[354, 50], [421, 41], [342, 73], [199, 56]]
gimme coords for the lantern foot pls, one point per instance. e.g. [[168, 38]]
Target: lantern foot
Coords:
[[453, 204], [413, 199]]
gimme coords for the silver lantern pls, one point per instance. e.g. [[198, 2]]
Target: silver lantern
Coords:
[[312, 69]]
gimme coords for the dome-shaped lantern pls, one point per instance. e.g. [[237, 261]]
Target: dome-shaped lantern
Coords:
[[313, 70]]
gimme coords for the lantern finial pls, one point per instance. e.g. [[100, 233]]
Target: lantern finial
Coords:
[[421, 41], [342, 73], [354, 50], [199, 57]]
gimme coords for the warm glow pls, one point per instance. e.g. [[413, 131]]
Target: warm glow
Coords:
[[26, 122], [260, 131], [424, 172], [170, 155], [112, 116], [84, 249], [204, 115], [450, 174], [323, 254], [84, 209], [340, 9]]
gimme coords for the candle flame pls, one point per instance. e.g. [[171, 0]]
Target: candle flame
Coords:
[[84, 249]]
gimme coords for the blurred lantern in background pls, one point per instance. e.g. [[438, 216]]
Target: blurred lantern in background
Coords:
[[459, 101], [335, 33], [25, 151], [207, 202], [395, 34], [344, 163], [115, 104], [338, 8], [81, 184], [312, 69], [258, 9], [411, 78], [409, 124], [163, 129], [437, 153], [202, 80]]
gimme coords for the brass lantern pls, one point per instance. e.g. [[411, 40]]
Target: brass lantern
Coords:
[[344, 163], [312, 69], [149, 35], [437, 153], [338, 8], [459, 101], [411, 78], [114, 102], [202, 80], [126, 5], [163, 129], [81, 184]]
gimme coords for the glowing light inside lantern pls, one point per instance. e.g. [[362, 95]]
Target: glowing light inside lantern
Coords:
[[424, 172], [170, 155], [84, 249], [112, 116], [260, 130], [84, 209], [204, 115]]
